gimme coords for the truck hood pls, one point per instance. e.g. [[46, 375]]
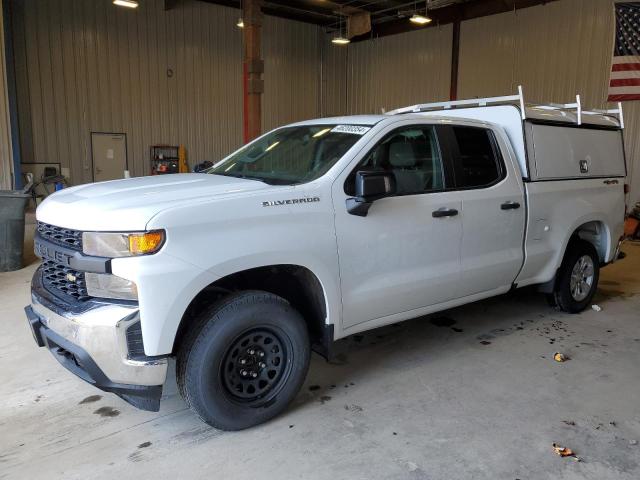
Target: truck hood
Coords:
[[129, 204]]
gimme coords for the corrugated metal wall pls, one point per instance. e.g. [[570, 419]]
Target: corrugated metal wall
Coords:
[[386, 72], [393, 71], [6, 157], [555, 51], [291, 72], [89, 66], [333, 78], [86, 66]]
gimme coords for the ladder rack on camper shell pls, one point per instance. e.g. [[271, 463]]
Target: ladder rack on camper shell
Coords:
[[510, 99]]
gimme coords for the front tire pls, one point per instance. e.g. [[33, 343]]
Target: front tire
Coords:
[[245, 361], [577, 279]]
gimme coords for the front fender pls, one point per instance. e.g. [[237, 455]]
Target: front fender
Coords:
[[166, 287], [221, 237]]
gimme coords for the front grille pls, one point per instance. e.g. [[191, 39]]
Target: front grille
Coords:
[[61, 236], [64, 281]]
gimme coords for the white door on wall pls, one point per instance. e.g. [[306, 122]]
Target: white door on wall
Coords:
[[109, 153]]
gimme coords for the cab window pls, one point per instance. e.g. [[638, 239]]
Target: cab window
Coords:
[[411, 155]]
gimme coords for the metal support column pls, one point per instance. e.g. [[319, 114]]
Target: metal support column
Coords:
[[12, 95], [455, 58], [253, 67]]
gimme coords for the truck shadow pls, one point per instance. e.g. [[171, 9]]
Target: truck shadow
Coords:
[[440, 337]]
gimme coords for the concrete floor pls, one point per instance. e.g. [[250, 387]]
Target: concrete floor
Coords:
[[471, 393]]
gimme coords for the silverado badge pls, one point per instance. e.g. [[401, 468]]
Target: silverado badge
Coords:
[[275, 203]]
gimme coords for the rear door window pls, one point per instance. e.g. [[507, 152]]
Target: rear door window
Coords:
[[479, 163]]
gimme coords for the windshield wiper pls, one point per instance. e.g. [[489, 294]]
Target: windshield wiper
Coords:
[[239, 175], [267, 180]]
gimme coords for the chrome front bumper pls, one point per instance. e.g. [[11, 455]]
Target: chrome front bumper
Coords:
[[91, 341]]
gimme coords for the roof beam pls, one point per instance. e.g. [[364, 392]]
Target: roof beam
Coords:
[[326, 13], [290, 13], [453, 13]]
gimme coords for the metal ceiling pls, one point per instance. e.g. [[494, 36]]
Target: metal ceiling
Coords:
[[328, 12], [387, 16]]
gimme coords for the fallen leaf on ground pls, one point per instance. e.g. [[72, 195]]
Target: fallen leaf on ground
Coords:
[[353, 408], [563, 451], [560, 357]]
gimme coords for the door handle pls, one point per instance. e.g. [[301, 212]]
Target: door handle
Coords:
[[510, 205], [444, 212]]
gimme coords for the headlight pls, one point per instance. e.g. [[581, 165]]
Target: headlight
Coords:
[[106, 285], [108, 244]]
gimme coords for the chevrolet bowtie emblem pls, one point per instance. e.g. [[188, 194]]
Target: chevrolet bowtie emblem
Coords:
[[71, 277]]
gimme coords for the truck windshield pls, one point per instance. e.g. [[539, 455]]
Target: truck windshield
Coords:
[[291, 155]]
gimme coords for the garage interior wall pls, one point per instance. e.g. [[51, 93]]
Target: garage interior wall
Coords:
[[291, 52], [88, 66], [162, 77], [6, 157], [554, 50], [387, 72]]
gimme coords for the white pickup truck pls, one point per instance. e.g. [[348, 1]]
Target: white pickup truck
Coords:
[[316, 231]]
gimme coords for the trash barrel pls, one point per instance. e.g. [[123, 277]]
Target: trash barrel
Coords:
[[12, 207]]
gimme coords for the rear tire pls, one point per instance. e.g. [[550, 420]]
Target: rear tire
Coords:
[[577, 278], [245, 360]]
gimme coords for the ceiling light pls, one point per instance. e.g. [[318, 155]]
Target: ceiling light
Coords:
[[340, 40], [240, 23], [419, 19], [126, 3]]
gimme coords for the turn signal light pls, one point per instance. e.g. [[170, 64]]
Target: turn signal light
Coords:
[[143, 243]]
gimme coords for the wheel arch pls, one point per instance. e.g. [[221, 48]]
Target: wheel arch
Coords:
[[590, 229], [598, 234], [297, 284]]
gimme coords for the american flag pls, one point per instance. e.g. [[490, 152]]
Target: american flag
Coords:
[[624, 83]]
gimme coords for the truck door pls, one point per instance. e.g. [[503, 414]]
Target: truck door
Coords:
[[493, 209], [401, 256]]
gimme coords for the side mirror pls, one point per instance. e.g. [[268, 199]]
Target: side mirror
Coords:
[[370, 186]]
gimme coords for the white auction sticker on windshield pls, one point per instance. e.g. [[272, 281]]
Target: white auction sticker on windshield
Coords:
[[354, 129]]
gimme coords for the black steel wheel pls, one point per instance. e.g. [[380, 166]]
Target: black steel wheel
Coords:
[[244, 361], [255, 366]]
